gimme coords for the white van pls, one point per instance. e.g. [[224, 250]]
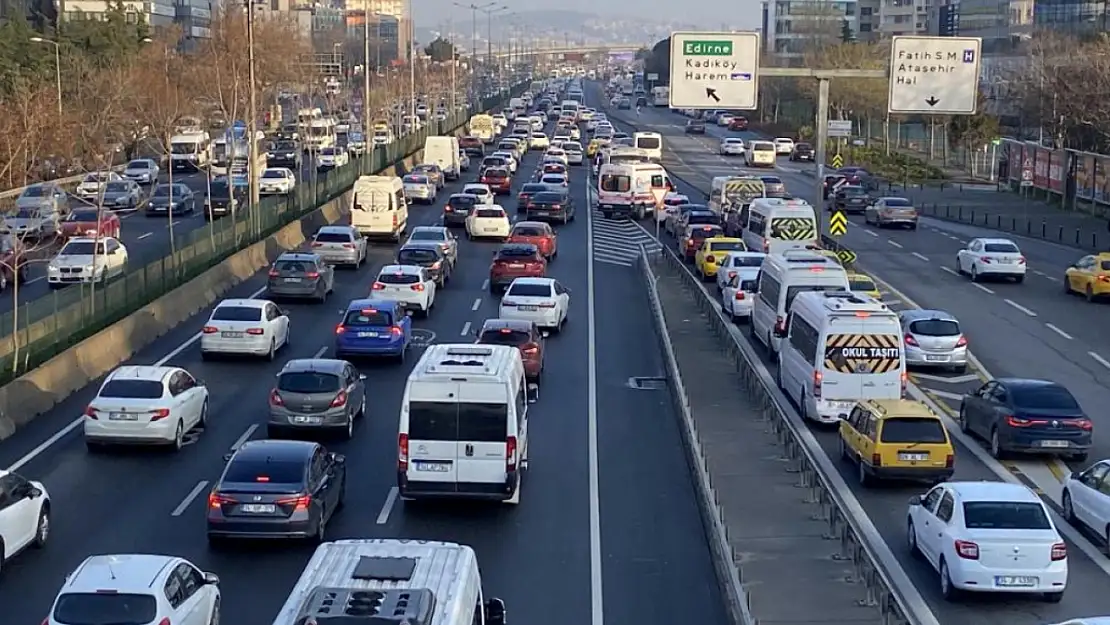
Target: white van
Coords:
[[190, 150], [781, 278], [464, 424], [651, 143], [379, 207], [420, 582], [626, 190], [483, 127], [729, 193], [443, 151], [760, 154], [840, 348], [775, 225], [570, 108]]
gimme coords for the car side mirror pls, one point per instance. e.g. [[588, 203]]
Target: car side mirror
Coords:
[[211, 579], [408, 313], [34, 492], [917, 500], [545, 333], [495, 611], [533, 393], [337, 458], [1074, 475]]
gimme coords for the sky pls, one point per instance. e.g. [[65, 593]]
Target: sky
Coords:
[[744, 14]]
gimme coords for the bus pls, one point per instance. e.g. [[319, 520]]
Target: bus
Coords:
[[661, 96]]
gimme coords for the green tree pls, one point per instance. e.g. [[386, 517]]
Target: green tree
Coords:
[[21, 60], [440, 50], [973, 131], [659, 62], [846, 34]]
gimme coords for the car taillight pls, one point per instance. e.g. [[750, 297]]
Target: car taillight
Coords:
[[340, 329], [817, 377], [378, 286], [985, 259], [396, 331], [710, 259], [510, 453], [780, 324], [1059, 552], [159, 414], [274, 273], [402, 452], [299, 503], [349, 246], [312, 274], [255, 331], [766, 246], [417, 287], [340, 399], [968, 550], [908, 338], [531, 350], [962, 342], [215, 500], [317, 244], [395, 220], [508, 302], [1083, 424], [1104, 279], [90, 412], [535, 265], [210, 330], [1018, 422], [275, 398], [447, 209], [547, 305], [740, 296], [876, 460]]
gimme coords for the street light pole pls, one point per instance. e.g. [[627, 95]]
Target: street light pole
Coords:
[[454, 63], [57, 67], [412, 68], [474, 8], [252, 124], [366, 74]]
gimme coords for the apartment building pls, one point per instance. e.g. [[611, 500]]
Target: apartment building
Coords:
[[1001, 24], [888, 18], [791, 27]]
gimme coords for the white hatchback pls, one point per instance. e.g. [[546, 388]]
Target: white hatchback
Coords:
[[488, 222], [149, 405], [784, 145], [543, 301], [255, 327], [480, 191], [991, 258], [410, 285], [277, 180], [24, 517]]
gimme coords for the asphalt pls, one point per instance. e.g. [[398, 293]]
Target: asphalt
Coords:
[[1027, 330], [536, 556]]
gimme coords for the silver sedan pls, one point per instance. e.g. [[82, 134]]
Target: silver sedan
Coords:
[[419, 188], [340, 245]]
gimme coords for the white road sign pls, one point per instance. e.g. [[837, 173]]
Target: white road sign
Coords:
[[653, 76], [934, 75], [714, 70], [840, 128]]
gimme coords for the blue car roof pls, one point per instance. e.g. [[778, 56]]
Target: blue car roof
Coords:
[[376, 304]]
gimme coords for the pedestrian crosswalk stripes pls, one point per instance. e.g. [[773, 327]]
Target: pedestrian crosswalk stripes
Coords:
[[619, 242]]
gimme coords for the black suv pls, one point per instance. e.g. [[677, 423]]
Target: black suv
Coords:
[[284, 153]]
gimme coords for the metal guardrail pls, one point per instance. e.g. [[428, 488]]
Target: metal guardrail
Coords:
[[888, 587], [35, 331]]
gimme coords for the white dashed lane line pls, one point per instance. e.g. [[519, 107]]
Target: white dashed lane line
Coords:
[[1019, 307], [949, 270], [1058, 331], [1102, 361], [874, 234], [894, 243], [921, 256], [982, 288]]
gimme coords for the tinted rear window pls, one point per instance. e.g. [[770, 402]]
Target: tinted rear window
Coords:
[[1001, 248], [529, 290], [853, 190], [909, 430], [860, 284], [404, 278], [333, 237], [699, 233], [1105, 265], [1010, 515], [372, 318], [548, 196], [237, 313], [935, 327], [749, 286], [414, 256], [504, 336], [308, 382], [747, 261], [273, 472], [533, 188], [517, 252], [105, 609], [897, 203], [132, 389], [528, 231], [438, 421], [464, 201], [490, 212], [702, 218], [728, 246], [294, 266], [1043, 398]]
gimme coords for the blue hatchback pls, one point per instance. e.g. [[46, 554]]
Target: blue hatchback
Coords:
[[373, 327]]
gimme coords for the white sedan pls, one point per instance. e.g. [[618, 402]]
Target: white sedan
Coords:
[[480, 191], [784, 145], [419, 188], [991, 258], [409, 285], [87, 259], [543, 301], [510, 160], [330, 158], [488, 221], [277, 181], [738, 292], [25, 517], [1085, 499], [556, 154], [732, 146], [255, 327], [146, 404], [988, 537]]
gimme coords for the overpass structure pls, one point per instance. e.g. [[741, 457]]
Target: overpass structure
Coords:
[[589, 49]]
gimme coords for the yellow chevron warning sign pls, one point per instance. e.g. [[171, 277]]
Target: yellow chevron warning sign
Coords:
[[837, 161], [838, 224], [846, 257]]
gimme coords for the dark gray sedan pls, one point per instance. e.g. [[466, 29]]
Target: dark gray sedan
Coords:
[[317, 394], [1027, 416], [171, 199], [122, 194], [301, 275], [427, 254]]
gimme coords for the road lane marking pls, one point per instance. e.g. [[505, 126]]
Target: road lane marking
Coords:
[[34, 280], [873, 234], [949, 270], [894, 243], [1102, 361], [1020, 307], [387, 507], [485, 284], [144, 235], [189, 498], [944, 394], [1058, 331], [320, 352], [477, 304], [921, 256], [597, 612], [466, 329], [963, 379], [982, 288], [246, 436]]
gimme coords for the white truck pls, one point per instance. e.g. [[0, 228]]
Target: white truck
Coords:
[[444, 151]]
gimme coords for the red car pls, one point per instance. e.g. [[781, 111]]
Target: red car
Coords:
[[512, 261], [524, 335], [91, 223], [13, 264], [738, 123], [536, 233], [498, 180], [695, 237]]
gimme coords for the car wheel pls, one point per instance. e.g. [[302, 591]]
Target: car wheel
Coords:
[[42, 529], [203, 420], [1089, 294], [911, 539], [215, 618], [996, 445], [179, 436], [349, 429], [974, 273], [959, 266], [947, 590], [273, 350], [1069, 510], [965, 425], [861, 474]]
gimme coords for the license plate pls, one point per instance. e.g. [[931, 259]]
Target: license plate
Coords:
[[910, 457], [1015, 580], [516, 266], [1053, 444], [936, 358], [122, 416], [308, 420], [367, 335], [231, 335], [527, 308], [258, 508], [292, 279], [433, 467], [489, 229]]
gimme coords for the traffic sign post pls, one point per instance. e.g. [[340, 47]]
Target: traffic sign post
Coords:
[[715, 70], [1027, 172], [934, 75], [659, 194], [837, 162], [840, 128], [838, 224]]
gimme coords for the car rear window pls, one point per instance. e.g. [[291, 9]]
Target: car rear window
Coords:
[[1001, 248], [1043, 398], [749, 286], [553, 179], [528, 231], [237, 313], [333, 237], [442, 421], [490, 212], [695, 219], [308, 382], [1105, 265], [427, 235], [728, 246], [249, 470], [912, 430], [368, 318], [504, 336], [533, 188], [548, 196], [529, 290], [517, 252], [935, 327], [465, 201], [294, 266], [701, 233], [747, 261], [416, 256], [860, 284], [897, 203], [88, 608], [132, 389], [1008, 515]]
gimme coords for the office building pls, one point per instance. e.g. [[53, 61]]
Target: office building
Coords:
[[1074, 17], [792, 27], [1001, 24]]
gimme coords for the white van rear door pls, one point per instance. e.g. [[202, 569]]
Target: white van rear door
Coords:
[[863, 360], [373, 211], [483, 432], [433, 439]]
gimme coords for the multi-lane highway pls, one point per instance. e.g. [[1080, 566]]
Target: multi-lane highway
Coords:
[[1025, 330], [607, 529]]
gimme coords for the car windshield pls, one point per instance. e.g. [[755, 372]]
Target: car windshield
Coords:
[[131, 389], [220, 188], [81, 248], [308, 382], [333, 237], [727, 246], [861, 284], [237, 313], [935, 327], [504, 336], [533, 188], [98, 608], [101, 177], [285, 146], [1005, 515], [139, 165], [1001, 248], [330, 151], [116, 187], [907, 430], [1043, 398], [368, 317], [163, 190], [529, 289], [273, 173], [25, 213], [749, 286], [267, 471], [83, 216]]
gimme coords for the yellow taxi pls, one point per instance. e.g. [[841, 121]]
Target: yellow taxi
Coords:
[[712, 252], [1089, 276], [381, 124], [863, 284], [896, 439], [595, 146]]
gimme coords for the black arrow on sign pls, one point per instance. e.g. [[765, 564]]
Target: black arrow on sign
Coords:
[[932, 101], [710, 92]]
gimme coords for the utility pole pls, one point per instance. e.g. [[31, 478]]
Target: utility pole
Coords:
[[473, 65], [454, 64], [366, 77], [412, 68], [252, 125]]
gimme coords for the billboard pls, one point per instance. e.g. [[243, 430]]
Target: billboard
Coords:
[[622, 57]]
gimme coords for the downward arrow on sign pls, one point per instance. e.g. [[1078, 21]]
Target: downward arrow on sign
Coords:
[[932, 101]]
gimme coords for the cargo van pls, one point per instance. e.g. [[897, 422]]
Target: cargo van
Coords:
[[463, 430], [626, 190], [840, 348], [781, 278], [379, 208], [482, 126], [443, 151], [775, 225]]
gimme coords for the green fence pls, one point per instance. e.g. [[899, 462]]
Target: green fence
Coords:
[[35, 331]]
